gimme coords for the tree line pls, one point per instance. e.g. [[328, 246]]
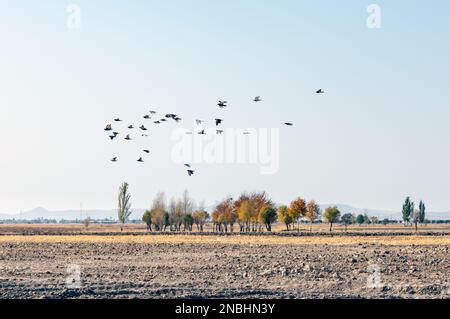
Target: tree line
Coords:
[[250, 212]]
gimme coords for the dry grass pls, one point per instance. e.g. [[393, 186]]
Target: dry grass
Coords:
[[235, 240]]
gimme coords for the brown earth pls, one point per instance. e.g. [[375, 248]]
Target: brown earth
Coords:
[[213, 267]]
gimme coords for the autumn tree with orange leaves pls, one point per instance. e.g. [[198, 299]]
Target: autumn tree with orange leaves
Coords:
[[297, 210]]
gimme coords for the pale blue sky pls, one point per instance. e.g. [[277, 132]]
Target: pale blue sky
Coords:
[[380, 133]]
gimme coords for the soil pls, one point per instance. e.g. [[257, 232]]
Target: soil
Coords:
[[218, 270]]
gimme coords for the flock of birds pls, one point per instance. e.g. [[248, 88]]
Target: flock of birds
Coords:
[[222, 104]]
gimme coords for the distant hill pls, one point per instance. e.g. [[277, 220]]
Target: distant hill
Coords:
[[75, 214]]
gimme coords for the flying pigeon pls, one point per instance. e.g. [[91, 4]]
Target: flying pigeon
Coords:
[[147, 151], [112, 137], [257, 99], [108, 127], [128, 138], [218, 122], [199, 122], [320, 91], [177, 119], [152, 112], [187, 165], [163, 120], [117, 120], [219, 132], [190, 172], [140, 160], [114, 159], [202, 132], [131, 127], [157, 122], [222, 104], [289, 124], [147, 117], [142, 127]]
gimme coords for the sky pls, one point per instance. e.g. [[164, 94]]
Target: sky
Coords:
[[379, 134]]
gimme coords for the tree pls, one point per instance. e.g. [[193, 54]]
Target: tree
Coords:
[[284, 216], [244, 213], [416, 217], [124, 210], [188, 222], [200, 218], [87, 222], [187, 206], [407, 210], [267, 217], [374, 220], [385, 221], [158, 211], [312, 212], [421, 212], [226, 214], [297, 209], [147, 219], [347, 219], [332, 215], [360, 219]]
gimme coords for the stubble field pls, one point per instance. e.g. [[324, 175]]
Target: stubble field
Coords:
[[95, 264]]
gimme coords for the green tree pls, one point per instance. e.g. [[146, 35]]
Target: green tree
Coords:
[[147, 219], [267, 217], [188, 222], [407, 210], [124, 210], [347, 219], [284, 216], [360, 219], [332, 215], [422, 212]]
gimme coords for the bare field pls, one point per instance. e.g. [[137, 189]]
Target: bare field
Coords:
[[210, 266]]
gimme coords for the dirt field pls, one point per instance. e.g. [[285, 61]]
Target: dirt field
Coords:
[[176, 266]]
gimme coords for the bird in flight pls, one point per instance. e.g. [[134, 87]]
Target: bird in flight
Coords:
[[131, 127], [157, 122], [320, 91], [144, 135], [218, 122], [112, 137], [142, 127], [147, 117], [117, 120], [257, 99], [218, 132], [108, 127], [202, 132], [289, 124], [199, 122], [187, 165], [222, 104], [140, 160], [128, 138], [147, 151], [114, 159], [177, 119], [152, 112], [163, 120], [190, 172]]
